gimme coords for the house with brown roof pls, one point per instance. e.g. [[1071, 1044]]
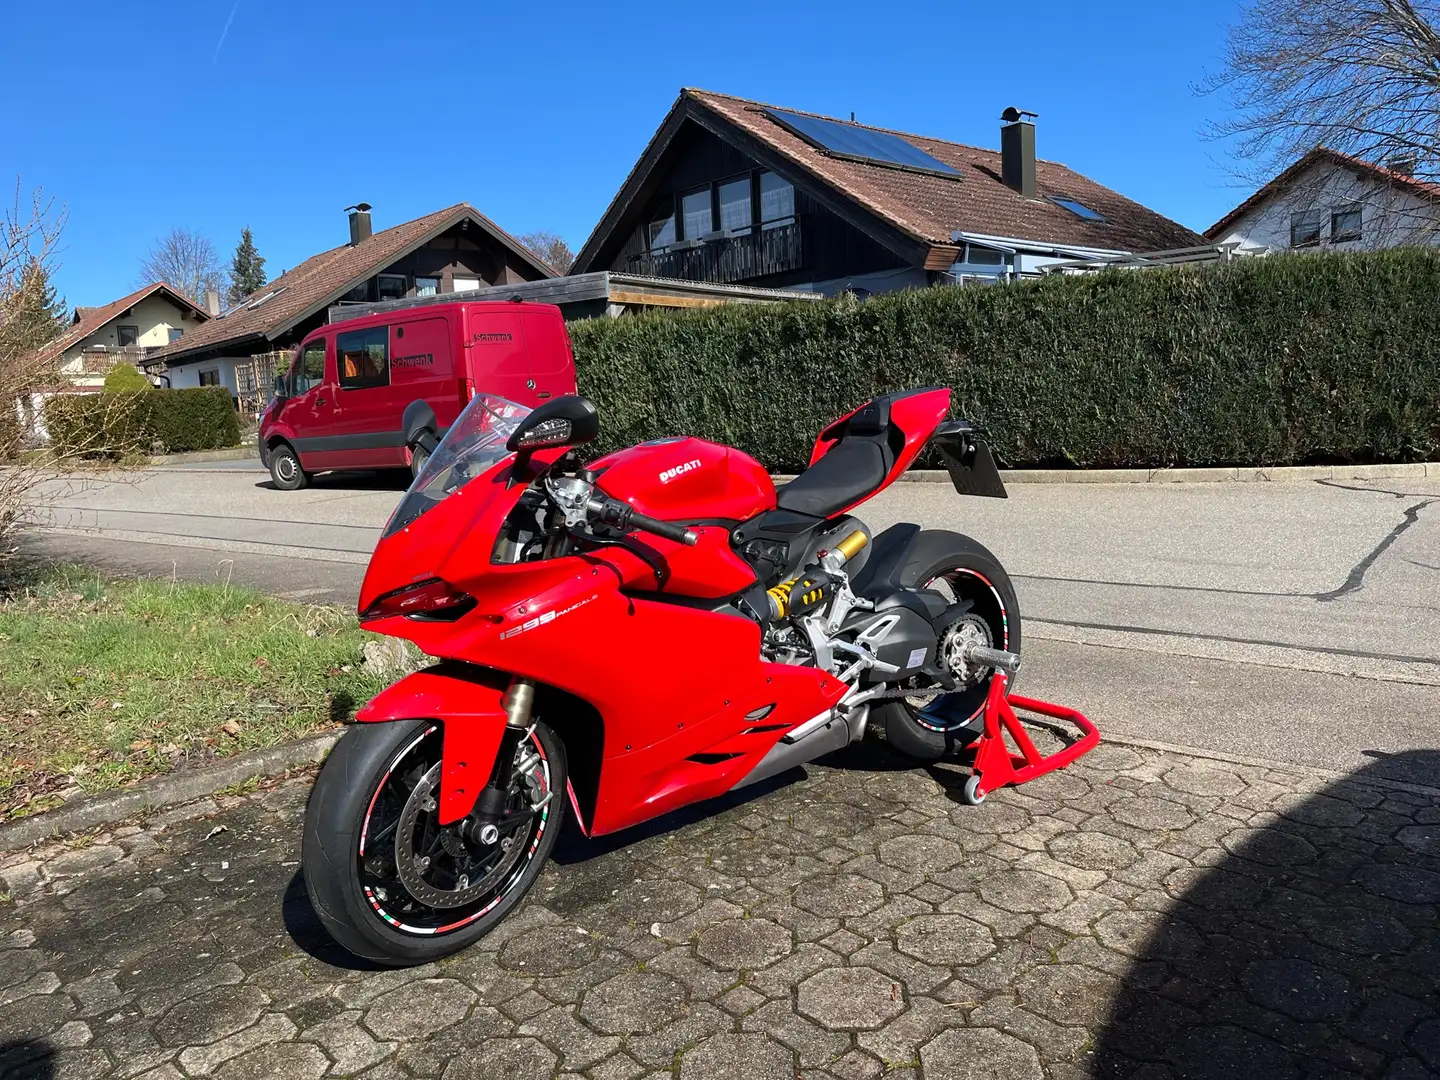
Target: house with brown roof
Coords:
[[739, 192], [1329, 199], [123, 331], [450, 251]]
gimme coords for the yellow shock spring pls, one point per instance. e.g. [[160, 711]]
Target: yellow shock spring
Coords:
[[780, 597]]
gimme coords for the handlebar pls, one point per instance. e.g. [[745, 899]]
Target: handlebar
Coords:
[[624, 517]]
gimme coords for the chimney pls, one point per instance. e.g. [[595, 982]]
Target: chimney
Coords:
[[359, 222], [212, 302], [1017, 151]]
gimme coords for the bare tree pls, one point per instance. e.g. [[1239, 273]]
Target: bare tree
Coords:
[[187, 262], [30, 229], [1357, 77], [550, 249]]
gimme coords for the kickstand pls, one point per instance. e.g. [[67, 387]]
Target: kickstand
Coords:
[[995, 766]]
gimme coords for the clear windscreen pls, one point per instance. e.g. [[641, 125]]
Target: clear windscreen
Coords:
[[471, 448]]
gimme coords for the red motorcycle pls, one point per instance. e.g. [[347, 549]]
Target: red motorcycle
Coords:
[[653, 628]]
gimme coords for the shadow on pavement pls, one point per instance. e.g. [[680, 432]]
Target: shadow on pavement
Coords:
[[1310, 948], [381, 480], [305, 930], [27, 1059]]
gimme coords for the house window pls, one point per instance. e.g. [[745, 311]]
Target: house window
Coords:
[[175, 334], [983, 256], [777, 201], [1305, 228], [427, 286], [464, 284], [363, 357], [735, 204], [661, 233], [1345, 223], [695, 213], [210, 378], [358, 295], [391, 286], [127, 335]]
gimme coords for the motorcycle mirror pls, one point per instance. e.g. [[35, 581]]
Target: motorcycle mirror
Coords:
[[563, 421]]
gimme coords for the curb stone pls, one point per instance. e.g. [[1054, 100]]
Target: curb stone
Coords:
[[232, 453], [171, 789], [1419, 470]]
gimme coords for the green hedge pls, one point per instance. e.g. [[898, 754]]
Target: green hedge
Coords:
[[142, 422], [1281, 360]]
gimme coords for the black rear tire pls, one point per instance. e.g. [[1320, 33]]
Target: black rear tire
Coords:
[[419, 455], [973, 573], [285, 469], [342, 890]]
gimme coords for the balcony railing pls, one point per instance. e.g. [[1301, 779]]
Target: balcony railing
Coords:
[[726, 260]]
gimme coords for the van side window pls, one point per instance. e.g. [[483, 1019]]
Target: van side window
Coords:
[[363, 358], [312, 365]]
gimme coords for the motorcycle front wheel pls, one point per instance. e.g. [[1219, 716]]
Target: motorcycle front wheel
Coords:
[[387, 881]]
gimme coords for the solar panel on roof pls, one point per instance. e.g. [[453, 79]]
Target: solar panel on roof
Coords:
[[863, 144]]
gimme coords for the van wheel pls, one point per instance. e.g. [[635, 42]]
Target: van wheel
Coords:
[[285, 469], [419, 455]]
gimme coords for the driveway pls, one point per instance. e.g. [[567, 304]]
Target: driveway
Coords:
[[1141, 914], [1297, 622]]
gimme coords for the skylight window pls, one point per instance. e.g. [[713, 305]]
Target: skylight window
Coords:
[[855, 143], [1079, 209]]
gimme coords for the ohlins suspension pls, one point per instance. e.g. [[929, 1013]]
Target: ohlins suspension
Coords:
[[809, 589]]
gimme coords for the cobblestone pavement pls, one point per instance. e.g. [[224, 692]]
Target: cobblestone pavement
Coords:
[[1139, 914]]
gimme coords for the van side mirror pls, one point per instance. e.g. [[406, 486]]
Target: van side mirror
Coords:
[[280, 391], [565, 421]]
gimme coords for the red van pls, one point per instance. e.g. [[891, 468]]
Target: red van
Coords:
[[379, 391]]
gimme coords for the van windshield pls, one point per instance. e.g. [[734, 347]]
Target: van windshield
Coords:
[[472, 446]]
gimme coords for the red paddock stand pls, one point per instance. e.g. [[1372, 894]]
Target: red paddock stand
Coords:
[[995, 766]]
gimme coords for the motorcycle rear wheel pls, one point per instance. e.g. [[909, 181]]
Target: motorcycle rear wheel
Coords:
[[374, 804], [967, 571]]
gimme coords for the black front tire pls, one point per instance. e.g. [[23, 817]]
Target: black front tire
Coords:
[[285, 469], [977, 575], [341, 804]]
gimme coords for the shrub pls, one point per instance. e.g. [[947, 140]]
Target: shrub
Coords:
[[124, 377], [1280, 360], [114, 425], [202, 419]]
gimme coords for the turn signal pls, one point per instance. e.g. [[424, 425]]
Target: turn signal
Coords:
[[432, 598]]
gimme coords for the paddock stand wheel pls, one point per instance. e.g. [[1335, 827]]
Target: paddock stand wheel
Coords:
[[972, 794], [995, 766]]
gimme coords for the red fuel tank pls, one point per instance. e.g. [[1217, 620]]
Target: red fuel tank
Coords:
[[687, 479]]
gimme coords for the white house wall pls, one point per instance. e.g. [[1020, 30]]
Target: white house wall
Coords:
[[153, 317], [1388, 217], [188, 375]]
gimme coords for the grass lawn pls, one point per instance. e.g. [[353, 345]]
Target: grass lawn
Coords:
[[104, 682]]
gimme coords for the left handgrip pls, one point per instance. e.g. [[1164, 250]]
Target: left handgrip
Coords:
[[667, 529]]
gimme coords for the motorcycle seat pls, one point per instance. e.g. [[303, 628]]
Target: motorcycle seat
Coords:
[[850, 470]]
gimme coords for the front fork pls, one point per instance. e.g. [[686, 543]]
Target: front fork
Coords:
[[483, 821]]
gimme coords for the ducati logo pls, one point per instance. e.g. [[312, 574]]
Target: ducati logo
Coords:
[[671, 474]]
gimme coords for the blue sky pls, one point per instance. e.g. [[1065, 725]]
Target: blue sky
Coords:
[[277, 114]]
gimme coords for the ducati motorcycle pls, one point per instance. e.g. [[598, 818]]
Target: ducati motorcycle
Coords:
[[623, 637]]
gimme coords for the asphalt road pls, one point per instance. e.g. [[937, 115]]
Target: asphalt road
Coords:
[[1298, 621]]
